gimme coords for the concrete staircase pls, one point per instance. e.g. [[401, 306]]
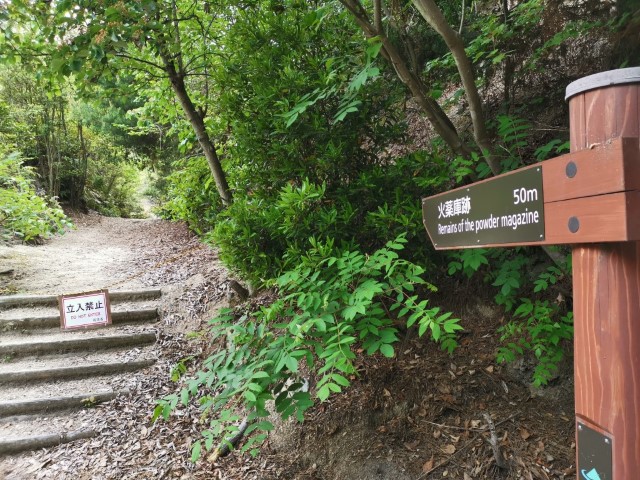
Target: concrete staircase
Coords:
[[49, 377]]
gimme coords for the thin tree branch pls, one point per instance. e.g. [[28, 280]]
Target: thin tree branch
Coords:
[[495, 444], [360, 16], [140, 60], [439, 120], [176, 26], [377, 16]]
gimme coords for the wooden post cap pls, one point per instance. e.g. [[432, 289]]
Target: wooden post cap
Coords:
[[621, 76]]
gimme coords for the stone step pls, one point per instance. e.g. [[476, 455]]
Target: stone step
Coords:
[[26, 376], [30, 432], [55, 344], [50, 378], [13, 445], [14, 301], [11, 393], [75, 359], [52, 321], [50, 311], [52, 404]]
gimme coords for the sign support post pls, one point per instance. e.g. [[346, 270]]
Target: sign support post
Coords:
[[606, 297], [589, 198]]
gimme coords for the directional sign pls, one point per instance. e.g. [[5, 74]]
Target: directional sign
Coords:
[[502, 210]]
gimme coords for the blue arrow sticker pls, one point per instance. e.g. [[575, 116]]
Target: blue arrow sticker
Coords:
[[591, 475]]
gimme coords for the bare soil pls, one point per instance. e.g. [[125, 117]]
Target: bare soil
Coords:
[[421, 415]]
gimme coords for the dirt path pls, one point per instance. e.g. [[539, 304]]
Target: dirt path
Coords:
[[118, 254], [98, 254], [102, 252]]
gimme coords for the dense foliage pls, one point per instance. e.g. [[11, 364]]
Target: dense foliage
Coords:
[[298, 137], [23, 213], [328, 306], [78, 160]]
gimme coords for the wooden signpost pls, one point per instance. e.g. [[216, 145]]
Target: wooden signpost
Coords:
[[589, 198]]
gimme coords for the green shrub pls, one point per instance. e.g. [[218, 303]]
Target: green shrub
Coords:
[[333, 301], [260, 236], [259, 239], [23, 213], [524, 279], [191, 195], [539, 327], [112, 189]]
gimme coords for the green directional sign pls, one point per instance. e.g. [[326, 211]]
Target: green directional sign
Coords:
[[502, 210]]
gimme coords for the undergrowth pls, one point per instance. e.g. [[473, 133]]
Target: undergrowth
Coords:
[[331, 303], [23, 213]]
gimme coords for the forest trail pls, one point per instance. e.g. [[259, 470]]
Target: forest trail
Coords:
[[102, 252], [53, 383], [419, 415]]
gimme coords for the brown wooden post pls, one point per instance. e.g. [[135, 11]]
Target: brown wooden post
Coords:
[[606, 285]]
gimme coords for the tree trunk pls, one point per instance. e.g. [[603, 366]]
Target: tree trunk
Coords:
[[434, 113], [438, 118], [112, 182], [49, 149], [434, 17], [197, 122], [82, 181], [47, 167], [508, 61]]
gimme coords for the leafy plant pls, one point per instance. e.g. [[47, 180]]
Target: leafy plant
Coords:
[[555, 146], [509, 277], [330, 303], [537, 326], [468, 261], [541, 329], [23, 213], [191, 195], [260, 237], [515, 133], [348, 101]]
